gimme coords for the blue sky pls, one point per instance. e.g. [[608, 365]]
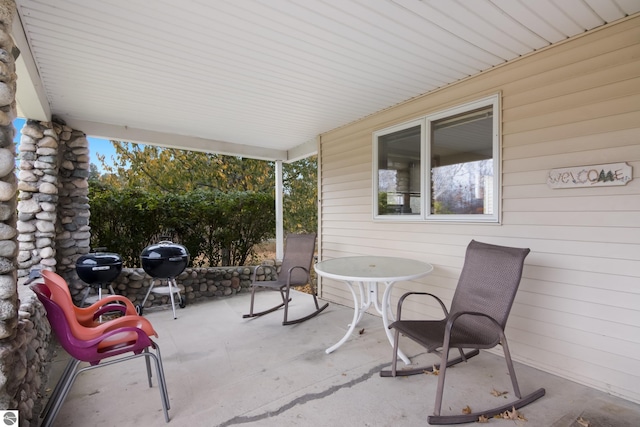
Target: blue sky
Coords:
[[96, 145]]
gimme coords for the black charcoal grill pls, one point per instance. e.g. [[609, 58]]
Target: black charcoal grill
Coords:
[[98, 270], [164, 261]]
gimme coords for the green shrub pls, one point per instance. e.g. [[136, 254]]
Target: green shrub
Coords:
[[218, 229]]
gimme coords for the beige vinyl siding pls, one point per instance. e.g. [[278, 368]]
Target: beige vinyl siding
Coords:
[[577, 313]]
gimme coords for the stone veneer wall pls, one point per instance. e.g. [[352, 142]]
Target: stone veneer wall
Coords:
[[24, 332], [53, 207], [53, 226], [73, 233], [196, 284], [38, 198]]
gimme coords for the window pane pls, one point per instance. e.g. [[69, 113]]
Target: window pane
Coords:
[[462, 163], [399, 172]]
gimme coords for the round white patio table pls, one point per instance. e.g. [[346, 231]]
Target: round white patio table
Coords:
[[367, 272]]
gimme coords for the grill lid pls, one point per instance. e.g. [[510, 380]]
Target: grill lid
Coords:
[[164, 259], [98, 267]]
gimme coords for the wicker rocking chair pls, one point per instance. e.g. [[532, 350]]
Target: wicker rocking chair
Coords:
[[295, 271], [481, 304]]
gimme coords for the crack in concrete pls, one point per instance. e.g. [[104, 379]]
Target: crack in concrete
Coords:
[[302, 399]]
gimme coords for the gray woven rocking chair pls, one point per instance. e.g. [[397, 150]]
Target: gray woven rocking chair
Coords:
[[481, 304], [295, 271]]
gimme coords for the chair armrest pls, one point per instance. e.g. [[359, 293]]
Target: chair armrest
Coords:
[[141, 335], [109, 308], [296, 268], [113, 300], [131, 320], [119, 299], [403, 297], [452, 319]]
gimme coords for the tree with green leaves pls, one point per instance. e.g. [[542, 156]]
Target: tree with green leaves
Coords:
[[203, 200], [172, 170], [300, 182]]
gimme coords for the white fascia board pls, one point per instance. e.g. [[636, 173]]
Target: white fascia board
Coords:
[[171, 140], [31, 100], [304, 150]]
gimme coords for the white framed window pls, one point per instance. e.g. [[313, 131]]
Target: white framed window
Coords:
[[441, 167]]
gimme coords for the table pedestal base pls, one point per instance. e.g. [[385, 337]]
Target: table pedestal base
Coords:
[[369, 296]]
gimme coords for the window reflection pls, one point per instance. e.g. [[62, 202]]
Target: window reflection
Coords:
[[462, 164], [399, 172]]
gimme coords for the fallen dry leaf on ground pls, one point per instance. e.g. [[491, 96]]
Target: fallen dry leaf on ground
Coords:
[[466, 410], [497, 393], [511, 415], [482, 419], [583, 422]]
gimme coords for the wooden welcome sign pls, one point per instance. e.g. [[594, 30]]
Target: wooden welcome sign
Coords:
[[590, 176]]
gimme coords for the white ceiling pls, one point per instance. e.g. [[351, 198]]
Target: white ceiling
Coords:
[[263, 78]]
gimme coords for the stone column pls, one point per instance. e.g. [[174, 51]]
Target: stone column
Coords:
[[38, 197], [73, 233], [23, 334], [53, 207], [8, 184]]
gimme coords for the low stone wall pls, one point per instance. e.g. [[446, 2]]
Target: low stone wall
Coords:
[[196, 284]]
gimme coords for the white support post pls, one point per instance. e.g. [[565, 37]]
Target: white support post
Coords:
[[279, 220]]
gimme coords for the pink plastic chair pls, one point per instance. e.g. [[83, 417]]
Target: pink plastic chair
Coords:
[[117, 341], [59, 293], [88, 316]]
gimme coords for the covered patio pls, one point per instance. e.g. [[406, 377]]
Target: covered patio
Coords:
[[223, 370], [281, 80]]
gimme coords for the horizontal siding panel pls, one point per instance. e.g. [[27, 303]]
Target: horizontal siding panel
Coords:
[[335, 150], [561, 345], [546, 358], [629, 352], [346, 194], [524, 180], [627, 300], [578, 321], [542, 191], [338, 202], [607, 250], [565, 63], [428, 243], [582, 105], [561, 276], [564, 202], [363, 174], [449, 232], [346, 161], [602, 219], [352, 208], [578, 307], [581, 263], [597, 141], [346, 217], [584, 113], [628, 153], [572, 130], [609, 74], [364, 186], [568, 357]]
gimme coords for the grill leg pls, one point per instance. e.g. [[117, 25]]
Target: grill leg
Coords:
[[148, 292], [172, 283], [85, 294]]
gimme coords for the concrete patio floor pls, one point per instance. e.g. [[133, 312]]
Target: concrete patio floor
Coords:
[[223, 370]]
